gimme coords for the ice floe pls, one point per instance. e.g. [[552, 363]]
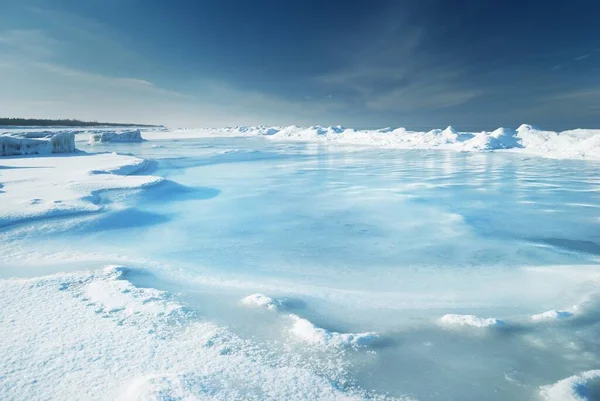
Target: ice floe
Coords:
[[116, 136], [36, 143], [575, 388], [470, 320]]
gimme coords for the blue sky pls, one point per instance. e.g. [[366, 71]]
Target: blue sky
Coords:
[[420, 64]]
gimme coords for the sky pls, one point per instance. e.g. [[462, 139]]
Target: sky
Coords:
[[425, 64]]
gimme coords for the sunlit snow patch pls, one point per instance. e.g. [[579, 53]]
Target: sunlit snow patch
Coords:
[[575, 388], [470, 320]]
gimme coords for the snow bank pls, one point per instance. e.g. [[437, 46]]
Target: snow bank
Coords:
[[116, 136], [39, 187], [573, 144], [96, 335], [551, 315], [470, 320], [574, 388], [36, 143], [306, 331], [263, 301]]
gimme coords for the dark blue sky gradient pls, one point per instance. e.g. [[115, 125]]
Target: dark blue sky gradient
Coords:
[[472, 64]]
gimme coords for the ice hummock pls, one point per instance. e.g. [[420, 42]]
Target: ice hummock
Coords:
[[36, 143], [571, 144], [116, 136]]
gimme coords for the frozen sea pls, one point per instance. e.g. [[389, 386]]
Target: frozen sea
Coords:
[[372, 274]]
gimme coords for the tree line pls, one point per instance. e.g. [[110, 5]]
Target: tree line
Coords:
[[31, 122]]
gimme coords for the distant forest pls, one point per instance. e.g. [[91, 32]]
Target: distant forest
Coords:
[[37, 122]]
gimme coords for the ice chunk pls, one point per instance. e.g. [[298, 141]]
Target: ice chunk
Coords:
[[306, 331], [262, 301], [552, 314], [574, 388], [116, 136], [36, 143], [470, 320]]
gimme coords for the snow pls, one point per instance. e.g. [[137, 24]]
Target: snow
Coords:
[[116, 136], [306, 331], [30, 143], [552, 315], [262, 301], [95, 336], [40, 187], [571, 144], [470, 320], [581, 387]]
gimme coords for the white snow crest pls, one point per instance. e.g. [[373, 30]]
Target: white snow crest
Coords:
[[263, 301], [306, 331], [552, 315], [572, 144], [574, 388], [470, 320]]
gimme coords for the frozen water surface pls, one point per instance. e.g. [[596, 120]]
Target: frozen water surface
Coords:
[[307, 271]]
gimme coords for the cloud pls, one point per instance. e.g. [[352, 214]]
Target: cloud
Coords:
[[582, 57]]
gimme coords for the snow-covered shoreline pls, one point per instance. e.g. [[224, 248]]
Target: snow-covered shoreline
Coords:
[[570, 144]]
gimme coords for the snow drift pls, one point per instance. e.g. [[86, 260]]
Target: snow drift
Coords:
[[572, 144], [116, 136], [35, 143]]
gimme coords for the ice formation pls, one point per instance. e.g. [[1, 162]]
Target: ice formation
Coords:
[[111, 352], [116, 136], [571, 144], [36, 143], [261, 300], [37, 187], [470, 320], [574, 388], [552, 314], [306, 331]]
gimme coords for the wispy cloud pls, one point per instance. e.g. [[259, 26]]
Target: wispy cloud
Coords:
[[582, 57]]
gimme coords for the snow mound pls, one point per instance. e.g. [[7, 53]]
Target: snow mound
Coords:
[[96, 335], [306, 331], [36, 143], [470, 320], [116, 136], [551, 315], [40, 187], [579, 387], [573, 144], [263, 301]]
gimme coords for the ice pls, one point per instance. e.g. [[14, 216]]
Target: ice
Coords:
[[470, 320], [582, 387], [551, 315], [116, 136], [94, 335], [36, 143], [261, 300], [265, 268], [306, 331], [40, 187], [571, 144]]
